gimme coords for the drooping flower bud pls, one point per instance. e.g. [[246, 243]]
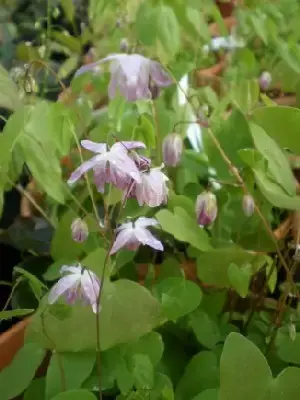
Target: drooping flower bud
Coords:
[[248, 205], [206, 208], [80, 231], [172, 149], [265, 80], [124, 45]]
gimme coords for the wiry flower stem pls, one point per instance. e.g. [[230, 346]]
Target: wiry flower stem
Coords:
[[240, 181]]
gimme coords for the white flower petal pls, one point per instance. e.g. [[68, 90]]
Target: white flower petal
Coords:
[[63, 285], [93, 146], [125, 236], [143, 222], [83, 168], [146, 238]]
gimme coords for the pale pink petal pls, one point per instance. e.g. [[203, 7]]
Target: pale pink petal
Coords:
[[71, 268], [143, 222], [83, 168], [93, 146], [146, 238], [125, 236], [90, 67], [125, 145], [62, 286], [159, 75], [126, 225], [101, 176], [90, 288]]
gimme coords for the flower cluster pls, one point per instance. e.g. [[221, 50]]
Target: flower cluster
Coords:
[[133, 75], [124, 168]]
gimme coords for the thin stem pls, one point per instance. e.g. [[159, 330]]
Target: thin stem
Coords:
[[33, 202], [59, 359], [158, 135], [47, 52], [239, 179]]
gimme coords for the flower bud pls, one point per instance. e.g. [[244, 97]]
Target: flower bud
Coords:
[[265, 80], [124, 45], [172, 149], [206, 208], [80, 231], [248, 205]]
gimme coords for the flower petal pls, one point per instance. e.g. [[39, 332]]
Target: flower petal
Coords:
[[159, 75], [90, 288], [143, 222], [125, 236], [89, 67], [83, 168], [93, 146], [146, 238], [73, 269], [127, 145], [64, 284]]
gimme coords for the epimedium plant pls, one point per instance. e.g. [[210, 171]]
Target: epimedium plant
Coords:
[[168, 276]]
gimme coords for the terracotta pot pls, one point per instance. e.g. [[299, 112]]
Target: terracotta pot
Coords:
[[11, 341], [226, 7]]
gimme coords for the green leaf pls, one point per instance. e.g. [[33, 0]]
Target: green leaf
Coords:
[[240, 278], [168, 32], [9, 97], [36, 390], [150, 344], [178, 297], [15, 378], [142, 371], [274, 193], [287, 385], [213, 266], [245, 373], [8, 314], [235, 126], [209, 394], [80, 394], [119, 324], [144, 132], [63, 247], [288, 350], [278, 166], [245, 94], [205, 328], [69, 9], [282, 124], [38, 288], [183, 228], [195, 18], [201, 373], [76, 366], [145, 24]]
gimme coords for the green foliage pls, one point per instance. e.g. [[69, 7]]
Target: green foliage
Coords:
[[76, 368], [15, 378], [169, 323], [135, 312]]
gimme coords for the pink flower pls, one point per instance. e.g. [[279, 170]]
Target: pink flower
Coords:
[[206, 208], [109, 166], [80, 284], [132, 234], [172, 149], [132, 75], [152, 190]]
